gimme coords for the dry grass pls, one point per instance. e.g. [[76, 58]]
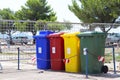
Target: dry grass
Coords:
[[109, 54]]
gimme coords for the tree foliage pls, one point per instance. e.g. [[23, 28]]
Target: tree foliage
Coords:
[[35, 10], [55, 26], [6, 13], [97, 11]]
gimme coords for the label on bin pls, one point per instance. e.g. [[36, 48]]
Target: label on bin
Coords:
[[53, 50], [39, 50], [68, 50], [85, 51]]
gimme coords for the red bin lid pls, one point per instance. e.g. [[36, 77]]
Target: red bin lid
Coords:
[[55, 34]]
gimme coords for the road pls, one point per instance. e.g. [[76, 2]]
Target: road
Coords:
[[30, 72]]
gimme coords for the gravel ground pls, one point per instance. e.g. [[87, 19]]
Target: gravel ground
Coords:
[[29, 72]]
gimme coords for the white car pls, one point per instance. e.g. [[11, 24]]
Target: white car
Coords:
[[19, 39], [113, 38], [117, 20]]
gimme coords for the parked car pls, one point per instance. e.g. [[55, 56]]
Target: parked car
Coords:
[[19, 39], [112, 38], [117, 20]]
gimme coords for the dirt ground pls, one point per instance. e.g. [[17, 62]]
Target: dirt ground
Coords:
[[29, 72]]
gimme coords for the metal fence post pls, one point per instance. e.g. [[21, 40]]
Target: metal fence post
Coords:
[[1, 66], [85, 52], [0, 48], [114, 60], [18, 58]]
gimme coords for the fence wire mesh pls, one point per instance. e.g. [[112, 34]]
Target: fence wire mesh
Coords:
[[19, 33]]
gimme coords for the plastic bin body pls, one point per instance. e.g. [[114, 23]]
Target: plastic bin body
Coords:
[[42, 50], [95, 43], [56, 51], [71, 47]]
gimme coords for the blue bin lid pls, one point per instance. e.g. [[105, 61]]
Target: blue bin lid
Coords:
[[43, 34], [37, 36]]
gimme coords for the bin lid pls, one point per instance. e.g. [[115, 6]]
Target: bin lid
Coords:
[[72, 34], [55, 34], [91, 34], [37, 36], [44, 33]]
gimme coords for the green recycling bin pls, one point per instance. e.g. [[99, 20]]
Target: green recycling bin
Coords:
[[95, 44]]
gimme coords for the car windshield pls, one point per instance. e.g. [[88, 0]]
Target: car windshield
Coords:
[[114, 34], [117, 34], [19, 37]]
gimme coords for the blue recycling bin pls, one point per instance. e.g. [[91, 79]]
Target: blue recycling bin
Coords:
[[43, 50]]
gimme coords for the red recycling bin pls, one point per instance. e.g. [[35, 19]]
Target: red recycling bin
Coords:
[[56, 51]]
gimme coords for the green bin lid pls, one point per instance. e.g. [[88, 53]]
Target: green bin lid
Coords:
[[91, 34]]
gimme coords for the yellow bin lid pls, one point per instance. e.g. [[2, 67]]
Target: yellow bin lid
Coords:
[[71, 34]]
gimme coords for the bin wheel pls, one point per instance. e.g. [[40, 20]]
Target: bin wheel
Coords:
[[104, 69]]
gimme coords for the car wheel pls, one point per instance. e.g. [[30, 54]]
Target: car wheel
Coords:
[[111, 42], [25, 42], [118, 41]]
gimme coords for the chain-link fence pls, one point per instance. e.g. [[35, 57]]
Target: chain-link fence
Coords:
[[19, 33]]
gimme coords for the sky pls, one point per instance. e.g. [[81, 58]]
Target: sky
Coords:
[[59, 6]]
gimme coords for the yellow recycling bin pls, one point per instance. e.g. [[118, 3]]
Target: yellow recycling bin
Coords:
[[72, 52]]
